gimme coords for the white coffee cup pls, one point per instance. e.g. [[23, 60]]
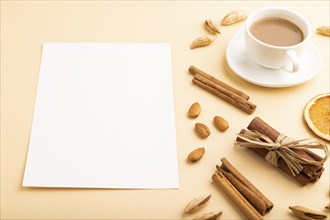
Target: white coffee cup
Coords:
[[271, 56]]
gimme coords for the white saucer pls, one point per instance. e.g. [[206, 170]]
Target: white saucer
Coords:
[[250, 71]]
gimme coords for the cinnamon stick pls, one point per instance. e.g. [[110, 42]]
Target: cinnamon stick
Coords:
[[224, 93], [194, 70], [241, 191], [257, 198], [242, 204], [309, 174]]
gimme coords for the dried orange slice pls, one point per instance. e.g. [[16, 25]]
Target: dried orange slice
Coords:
[[317, 115]]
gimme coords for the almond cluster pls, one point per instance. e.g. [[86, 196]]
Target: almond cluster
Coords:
[[213, 29], [203, 130]]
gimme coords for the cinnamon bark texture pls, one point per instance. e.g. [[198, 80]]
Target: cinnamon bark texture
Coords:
[[310, 172], [222, 90], [248, 199], [194, 70]]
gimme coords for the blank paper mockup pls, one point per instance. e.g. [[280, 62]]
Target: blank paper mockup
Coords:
[[103, 117]]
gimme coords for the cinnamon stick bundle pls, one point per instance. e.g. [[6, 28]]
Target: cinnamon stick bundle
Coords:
[[310, 172], [222, 90], [251, 202]]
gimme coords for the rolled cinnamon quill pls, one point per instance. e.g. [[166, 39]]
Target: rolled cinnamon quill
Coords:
[[194, 70], [249, 200], [310, 173], [224, 94], [222, 90]]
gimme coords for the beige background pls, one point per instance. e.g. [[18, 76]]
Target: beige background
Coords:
[[25, 25]]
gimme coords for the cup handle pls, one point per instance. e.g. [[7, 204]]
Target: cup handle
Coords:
[[294, 60]]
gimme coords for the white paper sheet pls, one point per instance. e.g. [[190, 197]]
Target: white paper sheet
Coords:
[[103, 118]]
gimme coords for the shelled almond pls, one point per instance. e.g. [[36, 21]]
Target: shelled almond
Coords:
[[196, 154], [194, 110], [220, 123], [202, 130]]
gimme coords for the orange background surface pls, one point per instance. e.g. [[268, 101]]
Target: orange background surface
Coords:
[[25, 25]]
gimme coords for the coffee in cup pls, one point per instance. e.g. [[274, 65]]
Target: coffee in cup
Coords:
[[277, 32], [276, 37]]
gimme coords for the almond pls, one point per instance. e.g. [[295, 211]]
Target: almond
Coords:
[[234, 17], [202, 130], [194, 110], [202, 41], [220, 123], [197, 154], [196, 204], [325, 30], [306, 213], [209, 215], [211, 27]]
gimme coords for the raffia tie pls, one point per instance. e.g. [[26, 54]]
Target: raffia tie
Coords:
[[283, 148]]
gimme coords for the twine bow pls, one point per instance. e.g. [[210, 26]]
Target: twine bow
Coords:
[[283, 148]]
